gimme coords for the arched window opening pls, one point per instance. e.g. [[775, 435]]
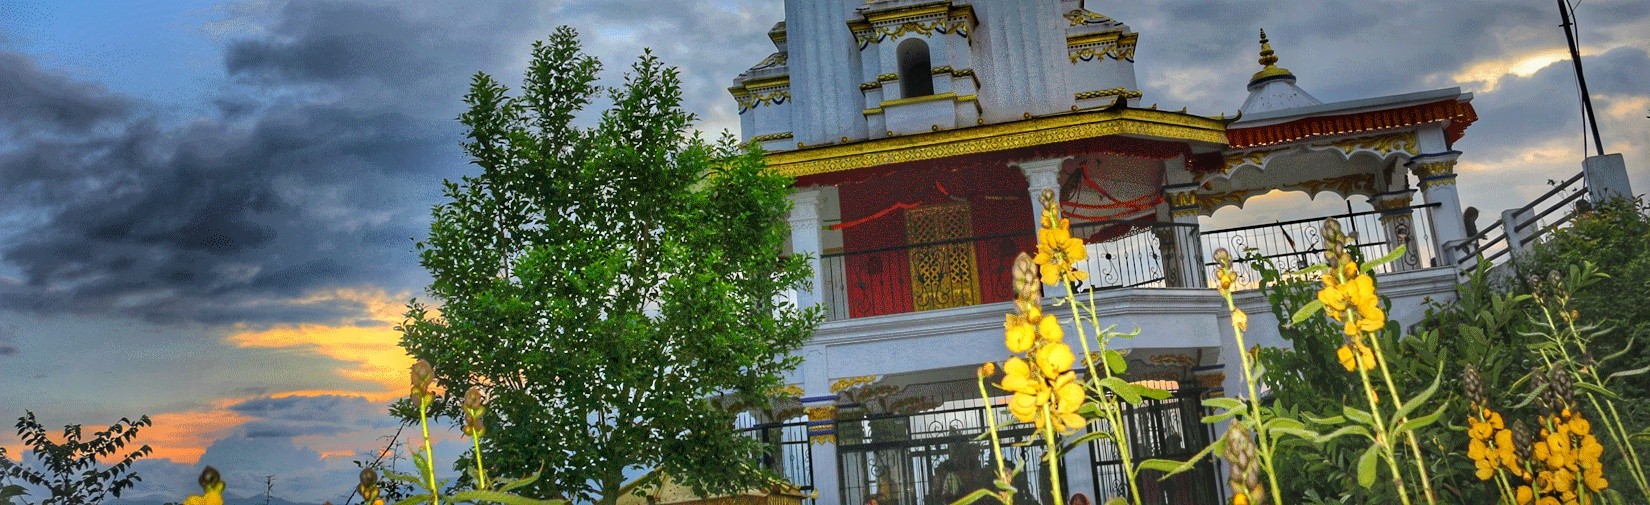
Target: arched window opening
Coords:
[[915, 77]]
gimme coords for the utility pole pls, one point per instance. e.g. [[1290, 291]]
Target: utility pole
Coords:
[[269, 487], [1581, 78]]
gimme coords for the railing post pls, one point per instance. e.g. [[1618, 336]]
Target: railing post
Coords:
[[1436, 172], [819, 403], [1398, 223], [1185, 259], [805, 239], [1511, 220], [1606, 178]]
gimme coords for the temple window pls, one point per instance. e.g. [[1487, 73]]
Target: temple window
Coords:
[[915, 77]]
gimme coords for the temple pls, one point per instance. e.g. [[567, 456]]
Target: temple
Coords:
[[920, 132]]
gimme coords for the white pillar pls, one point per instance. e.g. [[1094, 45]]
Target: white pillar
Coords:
[[1398, 222], [1187, 256], [1606, 177], [1041, 175], [820, 405], [1511, 222], [805, 239], [1436, 172]]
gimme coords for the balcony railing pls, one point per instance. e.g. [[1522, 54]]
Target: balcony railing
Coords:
[[976, 270], [1297, 244], [788, 452], [1121, 254]]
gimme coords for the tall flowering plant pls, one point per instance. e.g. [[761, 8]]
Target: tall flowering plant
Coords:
[[1046, 391]]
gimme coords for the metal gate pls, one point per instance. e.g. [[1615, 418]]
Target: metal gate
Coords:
[[1171, 428]]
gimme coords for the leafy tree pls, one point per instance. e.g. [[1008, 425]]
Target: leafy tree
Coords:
[[71, 471], [606, 283]]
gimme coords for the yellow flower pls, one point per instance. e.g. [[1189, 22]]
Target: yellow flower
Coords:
[[1049, 328], [1020, 334], [1524, 495], [1334, 301], [1345, 354], [1017, 377], [212, 488], [1240, 319], [1057, 251], [1055, 359]]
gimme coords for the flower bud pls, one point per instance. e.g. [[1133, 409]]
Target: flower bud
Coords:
[[422, 375], [209, 477], [986, 370]]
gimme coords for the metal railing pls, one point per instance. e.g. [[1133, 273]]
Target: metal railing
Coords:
[[1297, 244], [1532, 224], [788, 452], [1173, 429], [975, 270]]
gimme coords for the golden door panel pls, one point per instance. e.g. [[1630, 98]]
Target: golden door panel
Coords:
[[945, 275]]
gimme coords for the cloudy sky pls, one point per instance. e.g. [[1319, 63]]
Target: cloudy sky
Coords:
[[207, 207]]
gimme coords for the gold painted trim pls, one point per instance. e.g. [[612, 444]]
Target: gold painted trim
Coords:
[[887, 77], [940, 70], [968, 98], [867, 86], [771, 82], [908, 12], [998, 137], [1111, 37], [771, 136], [871, 112], [919, 99], [1126, 93]]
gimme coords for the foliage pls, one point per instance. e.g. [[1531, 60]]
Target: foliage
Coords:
[[603, 284], [1614, 236], [71, 472]]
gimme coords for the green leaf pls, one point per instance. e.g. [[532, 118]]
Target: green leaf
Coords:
[[1181, 466], [1224, 403], [1167, 466], [1413, 403], [514, 484], [1115, 362], [1129, 392], [1327, 421], [1317, 268], [1086, 438], [1368, 266], [1628, 373], [1366, 467], [410, 479], [500, 497], [1222, 416], [1306, 311], [1343, 431], [1421, 422], [415, 499], [1154, 393], [1594, 389], [1358, 416]]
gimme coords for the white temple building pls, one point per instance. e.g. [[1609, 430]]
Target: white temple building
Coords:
[[920, 131]]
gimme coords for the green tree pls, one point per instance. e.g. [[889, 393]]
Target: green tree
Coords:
[[70, 470], [605, 284]]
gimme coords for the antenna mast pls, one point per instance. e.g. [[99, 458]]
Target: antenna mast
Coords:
[[1581, 79]]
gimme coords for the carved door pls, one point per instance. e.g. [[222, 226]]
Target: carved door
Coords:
[[944, 274]]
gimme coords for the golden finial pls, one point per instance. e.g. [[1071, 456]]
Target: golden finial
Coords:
[[1268, 61], [1267, 58]]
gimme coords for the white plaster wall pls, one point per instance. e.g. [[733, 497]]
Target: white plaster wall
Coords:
[[824, 76], [1021, 56], [921, 117]]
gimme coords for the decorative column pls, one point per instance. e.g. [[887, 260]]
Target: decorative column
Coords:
[[1436, 172], [1185, 258], [805, 239], [1398, 222], [1043, 175], [820, 405]]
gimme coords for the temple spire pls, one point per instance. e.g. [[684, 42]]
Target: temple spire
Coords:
[[1268, 61]]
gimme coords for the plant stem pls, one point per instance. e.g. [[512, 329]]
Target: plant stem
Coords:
[[1612, 419], [1263, 442], [991, 420], [1114, 413], [1397, 399], [1053, 454], [1380, 425], [429, 456], [481, 474]]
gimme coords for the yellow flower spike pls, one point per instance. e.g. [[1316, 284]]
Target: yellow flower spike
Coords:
[[211, 487], [1024, 407], [1019, 334], [1049, 329], [1344, 355], [1333, 300], [1018, 378], [1240, 319], [1055, 359]]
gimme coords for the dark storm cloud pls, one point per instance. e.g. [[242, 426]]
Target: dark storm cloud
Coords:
[[318, 172], [294, 416], [35, 99], [1522, 112]]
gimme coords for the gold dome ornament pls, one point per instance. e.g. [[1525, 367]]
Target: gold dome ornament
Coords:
[[1268, 61]]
